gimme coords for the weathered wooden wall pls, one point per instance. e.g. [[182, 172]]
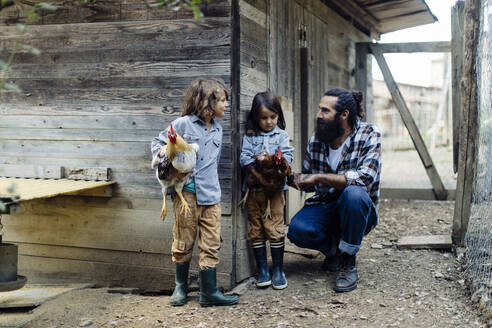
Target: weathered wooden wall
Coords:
[[253, 68], [110, 76]]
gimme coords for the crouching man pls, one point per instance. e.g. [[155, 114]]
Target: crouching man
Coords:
[[342, 165]]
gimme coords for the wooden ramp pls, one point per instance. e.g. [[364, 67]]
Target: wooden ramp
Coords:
[[15, 190]]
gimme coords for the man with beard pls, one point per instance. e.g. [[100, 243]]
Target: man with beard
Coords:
[[342, 165]]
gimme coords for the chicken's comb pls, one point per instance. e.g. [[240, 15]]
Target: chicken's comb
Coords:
[[171, 129]]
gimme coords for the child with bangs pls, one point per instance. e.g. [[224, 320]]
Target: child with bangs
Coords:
[[265, 133], [205, 101]]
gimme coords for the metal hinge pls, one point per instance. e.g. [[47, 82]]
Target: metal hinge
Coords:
[[302, 35]]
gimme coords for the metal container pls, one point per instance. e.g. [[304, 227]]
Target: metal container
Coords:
[[8, 262]]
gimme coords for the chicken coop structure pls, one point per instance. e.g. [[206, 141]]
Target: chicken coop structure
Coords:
[[112, 74]]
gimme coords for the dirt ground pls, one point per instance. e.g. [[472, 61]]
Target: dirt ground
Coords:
[[397, 288]]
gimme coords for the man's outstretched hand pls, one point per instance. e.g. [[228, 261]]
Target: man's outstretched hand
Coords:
[[303, 182]]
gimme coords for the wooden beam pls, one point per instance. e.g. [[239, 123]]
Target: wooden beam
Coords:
[[457, 31], [438, 46], [409, 122], [304, 98], [87, 173], [361, 51], [31, 171], [469, 126], [427, 241], [104, 191]]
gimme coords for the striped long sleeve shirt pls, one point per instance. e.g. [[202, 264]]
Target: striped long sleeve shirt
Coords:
[[360, 163]]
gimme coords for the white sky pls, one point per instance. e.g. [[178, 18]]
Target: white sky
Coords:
[[416, 68]]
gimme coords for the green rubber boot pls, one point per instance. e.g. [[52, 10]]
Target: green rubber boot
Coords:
[[180, 294], [209, 293]]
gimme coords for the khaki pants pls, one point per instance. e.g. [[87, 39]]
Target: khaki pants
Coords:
[[259, 228], [207, 217]]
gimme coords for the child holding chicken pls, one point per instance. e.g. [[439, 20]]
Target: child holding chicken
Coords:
[[265, 135], [198, 201]]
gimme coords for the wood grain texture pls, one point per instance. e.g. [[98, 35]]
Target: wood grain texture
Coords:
[[467, 159], [110, 77], [70, 12]]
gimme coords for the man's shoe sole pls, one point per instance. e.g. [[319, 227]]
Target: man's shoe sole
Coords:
[[345, 289]]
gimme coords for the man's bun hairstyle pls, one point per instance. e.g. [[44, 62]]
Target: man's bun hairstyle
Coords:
[[348, 100]]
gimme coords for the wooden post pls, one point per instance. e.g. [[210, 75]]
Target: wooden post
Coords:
[[361, 77], [435, 179], [304, 99], [469, 123], [457, 31]]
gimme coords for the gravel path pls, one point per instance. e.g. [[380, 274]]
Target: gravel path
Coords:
[[397, 288]]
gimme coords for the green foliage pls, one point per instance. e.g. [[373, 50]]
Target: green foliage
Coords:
[[32, 16], [192, 5]]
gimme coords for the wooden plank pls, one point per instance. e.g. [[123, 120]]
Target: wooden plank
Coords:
[[95, 56], [431, 241], [361, 51], [97, 228], [457, 33], [105, 191], [467, 160], [167, 70], [412, 128], [31, 171], [148, 278], [110, 10], [87, 173], [402, 22], [409, 47], [156, 34], [28, 189], [249, 11], [304, 69]]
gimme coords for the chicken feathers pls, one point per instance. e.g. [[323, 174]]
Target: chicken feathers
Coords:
[[175, 166]]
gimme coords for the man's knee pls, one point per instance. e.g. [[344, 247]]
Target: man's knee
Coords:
[[355, 195]]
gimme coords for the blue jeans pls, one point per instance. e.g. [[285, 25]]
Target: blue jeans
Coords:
[[339, 224]]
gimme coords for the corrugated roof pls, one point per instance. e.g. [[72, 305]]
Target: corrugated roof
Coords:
[[393, 15], [29, 189]]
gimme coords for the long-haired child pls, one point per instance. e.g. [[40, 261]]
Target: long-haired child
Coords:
[[265, 133], [205, 100]]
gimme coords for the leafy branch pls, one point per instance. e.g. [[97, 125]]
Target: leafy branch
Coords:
[[191, 5], [32, 16]]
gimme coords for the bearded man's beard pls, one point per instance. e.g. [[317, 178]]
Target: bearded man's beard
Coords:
[[328, 131]]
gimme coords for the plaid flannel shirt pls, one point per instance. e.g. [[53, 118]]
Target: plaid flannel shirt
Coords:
[[360, 163]]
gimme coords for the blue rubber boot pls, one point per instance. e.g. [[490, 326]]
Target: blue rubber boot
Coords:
[[264, 279], [278, 276]]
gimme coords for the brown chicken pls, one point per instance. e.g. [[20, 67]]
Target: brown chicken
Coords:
[[175, 165], [269, 172]]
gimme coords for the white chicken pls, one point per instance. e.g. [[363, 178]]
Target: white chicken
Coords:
[[175, 166]]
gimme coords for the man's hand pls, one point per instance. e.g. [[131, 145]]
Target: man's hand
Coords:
[[306, 181], [295, 181]]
